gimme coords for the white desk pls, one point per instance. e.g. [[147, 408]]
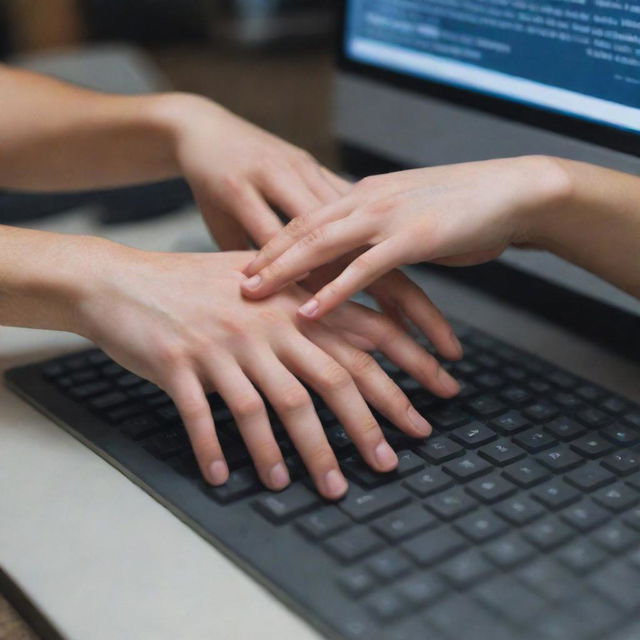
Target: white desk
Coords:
[[101, 559]]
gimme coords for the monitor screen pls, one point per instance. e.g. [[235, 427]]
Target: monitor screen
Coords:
[[579, 58]]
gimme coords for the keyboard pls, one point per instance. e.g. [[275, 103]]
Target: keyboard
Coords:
[[518, 519]]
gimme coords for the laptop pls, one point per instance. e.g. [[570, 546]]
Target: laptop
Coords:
[[519, 519]]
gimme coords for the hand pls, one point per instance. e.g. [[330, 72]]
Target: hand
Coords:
[[457, 215], [179, 320], [238, 172]]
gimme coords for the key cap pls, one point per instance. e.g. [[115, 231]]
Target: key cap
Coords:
[[517, 374], [490, 488], [526, 474], [541, 387], [363, 505], [623, 463], [287, 504], [385, 605], [589, 392], [338, 438], [555, 494], [549, 579], [614, 405], [534, 440], [448, 418], [564, 428], [356, 626], [593, 417], [473, 435], [83, 391], [107, 401], [166, 444], [632, 518], [519, 510], [439, 449], [403, 523], [353, 544], [420, 590], [323, 523], [562, 379], [466, 569], [502, 452], [388, 565], [620, 434], [240, 484], [515, 396], [467, 467], [450, 504], [548, 533], [617, 497], [434, 546], [508, 597], [581, 556], [480, 526], [540, 412], [589, 477], [408, 463], [510, 423], [428, 482], [632, 419], [615, 537], [485, 360], [489, 381], [356, 581], [508, 551], [356, 469], [617, 583], [592, 446], [141, 427], [598, 616], [585, 515], [567, 401], [559, 459], [486, 407]]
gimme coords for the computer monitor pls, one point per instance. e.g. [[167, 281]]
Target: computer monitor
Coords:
[[430, 82]]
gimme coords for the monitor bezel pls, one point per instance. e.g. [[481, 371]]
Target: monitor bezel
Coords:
[[609, 136]]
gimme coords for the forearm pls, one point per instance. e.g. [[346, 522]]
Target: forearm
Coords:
[[595, 223], [54, 136]]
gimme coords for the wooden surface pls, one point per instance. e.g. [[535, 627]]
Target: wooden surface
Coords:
[[288, 94]]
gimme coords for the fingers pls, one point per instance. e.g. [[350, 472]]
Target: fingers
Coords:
[[319, 182], [251, 418], [341, 185], [295, 408], [287, 191], [187, 393], [398, 346], [414, 303], [364, 270], [319, 247], [339, 391], [375, 385]]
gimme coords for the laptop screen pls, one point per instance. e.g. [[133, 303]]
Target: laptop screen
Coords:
[[579, 58]]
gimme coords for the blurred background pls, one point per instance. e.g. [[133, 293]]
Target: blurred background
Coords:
[[267, 60]]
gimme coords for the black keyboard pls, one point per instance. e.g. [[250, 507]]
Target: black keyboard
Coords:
[[519, 519]]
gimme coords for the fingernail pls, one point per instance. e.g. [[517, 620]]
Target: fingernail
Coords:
[[253, 283], [218, 472], [386, 456], [334, 483], [309, 309], [449, 383], [279, 476], [418, 421]]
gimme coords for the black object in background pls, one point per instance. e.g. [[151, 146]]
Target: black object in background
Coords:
[[5, 40]]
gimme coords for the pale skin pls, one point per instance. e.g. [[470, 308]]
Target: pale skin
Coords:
[[460, 215], [179, 320]]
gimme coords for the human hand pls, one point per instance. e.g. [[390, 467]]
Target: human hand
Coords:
[[238, 172], [180, 321], [456, 215]]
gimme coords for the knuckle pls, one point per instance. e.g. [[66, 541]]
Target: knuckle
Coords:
[[232, 184], [334, 377], [298, 227], [368, 183], [315, 237], [168, 353], [303, 158], [369, 431], [293, 398], [321, 458], [363, 263], [362, 364], [379, 208], [247, 406]]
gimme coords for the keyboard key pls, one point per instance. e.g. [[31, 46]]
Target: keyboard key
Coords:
[[585, 515], [404, 522], [107, 401], [473, 435], [534, 440], [615, 537], [481, 526], [90, 389], [364, 505], [549, 579], [555, 494], [548, 533], [526, 474], [385, 605], [502, 452], [632, 419], [519, 510], [140, 427], [489, 381], [589, 392], [592, 446], [448, 418], [515, 396], [559, 459], [353, 544], [564, 428], [356, 581], [439, 449], [286, 505], [562, 379], [166, 444], [356, 626], [617, 497], [567, 401], [338, 438], [615, 405], [508, 597], [408, 463], [434, 546], [467, 467], [623, 463], [593, 417], [581, 556], [420, 590], [617, 583], [428, 482], [540, 412], [466, 569], [240, 484], [323, 523], [590, 477], [491, 488], [508, 551], [388, 565], [620, 434], [356, 469], [450, 504], [510, 423], [632, 518], [486, 407]]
